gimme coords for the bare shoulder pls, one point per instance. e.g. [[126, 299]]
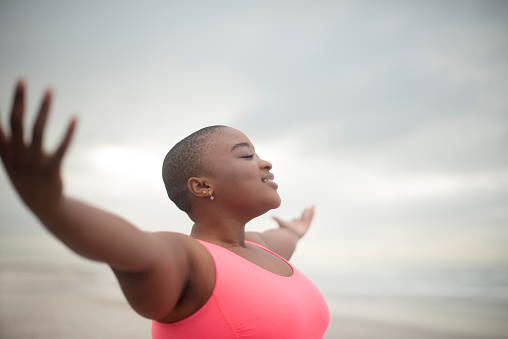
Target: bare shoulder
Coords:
[[200, 279], [257, 238], [196, 255], [277, 240], [185, 242]]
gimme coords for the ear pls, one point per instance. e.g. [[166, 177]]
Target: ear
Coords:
[[199, 187]]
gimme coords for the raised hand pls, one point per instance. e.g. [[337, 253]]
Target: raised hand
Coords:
[[298, 225], [34, 173]]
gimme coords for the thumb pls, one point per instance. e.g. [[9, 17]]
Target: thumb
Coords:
[[279, 221]]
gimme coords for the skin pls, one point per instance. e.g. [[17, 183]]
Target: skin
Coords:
[[164, 276]]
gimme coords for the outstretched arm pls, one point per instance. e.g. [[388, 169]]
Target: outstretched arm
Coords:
[[87, 230], [283, 240], [35, 174]]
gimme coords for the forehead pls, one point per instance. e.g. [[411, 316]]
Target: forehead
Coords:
[[231, 139]]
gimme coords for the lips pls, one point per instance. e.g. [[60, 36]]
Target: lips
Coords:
[[269, 180], [268, 177]]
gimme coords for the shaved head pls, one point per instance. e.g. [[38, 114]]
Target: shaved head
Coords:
[[185, 160]]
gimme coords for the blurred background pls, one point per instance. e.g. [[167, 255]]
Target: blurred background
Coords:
[[391, 117]]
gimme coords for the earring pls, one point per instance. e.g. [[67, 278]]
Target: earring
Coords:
[[211, 195]]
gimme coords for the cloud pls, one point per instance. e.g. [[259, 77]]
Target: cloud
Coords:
[[159, 100], [390, 117]]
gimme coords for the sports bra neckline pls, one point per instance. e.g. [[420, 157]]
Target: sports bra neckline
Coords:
[[255, 265]]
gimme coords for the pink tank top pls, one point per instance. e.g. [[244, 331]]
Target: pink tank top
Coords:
[[251, 302]]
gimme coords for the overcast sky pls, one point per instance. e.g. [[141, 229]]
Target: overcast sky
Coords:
[[390, 116]]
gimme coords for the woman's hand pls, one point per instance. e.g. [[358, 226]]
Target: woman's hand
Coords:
[[34, 173], [298, 225], [152, 268], [283, 240]]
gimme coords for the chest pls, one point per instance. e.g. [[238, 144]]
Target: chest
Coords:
[[253, 255], [261, 304]]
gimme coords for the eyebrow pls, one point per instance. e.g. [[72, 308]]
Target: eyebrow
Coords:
[[241, 144]]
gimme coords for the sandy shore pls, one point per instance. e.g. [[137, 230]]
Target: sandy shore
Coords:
[[61, 315], [343, 328], [51, 293], [47, 303]]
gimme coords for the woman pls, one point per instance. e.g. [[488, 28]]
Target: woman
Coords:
[[219, 282]]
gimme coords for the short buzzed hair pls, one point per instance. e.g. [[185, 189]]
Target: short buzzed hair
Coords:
[[185, 160]]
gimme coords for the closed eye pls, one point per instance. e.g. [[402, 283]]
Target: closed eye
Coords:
[[250, 156]]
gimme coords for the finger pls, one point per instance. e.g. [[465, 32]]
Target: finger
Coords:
[[306, 213], [18, 108], [40, 123], [279, 221], [310, 214], [60, 152], [307, 216], [3, 143]]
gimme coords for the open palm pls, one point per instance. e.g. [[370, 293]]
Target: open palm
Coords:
[[34, 173], [298, 225]]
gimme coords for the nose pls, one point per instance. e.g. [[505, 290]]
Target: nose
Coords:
[[265, 164]]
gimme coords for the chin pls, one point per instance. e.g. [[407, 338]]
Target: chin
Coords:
[[276, 203]]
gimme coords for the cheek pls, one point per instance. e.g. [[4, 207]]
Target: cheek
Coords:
[[247, 174], [233, 182], [238, 178]]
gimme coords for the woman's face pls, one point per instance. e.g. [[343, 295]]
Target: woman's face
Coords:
[[240, 178]]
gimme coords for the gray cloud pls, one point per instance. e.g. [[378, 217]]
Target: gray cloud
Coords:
[[390, 116]]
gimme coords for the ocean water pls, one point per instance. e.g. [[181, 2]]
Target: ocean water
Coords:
[[464, 303]]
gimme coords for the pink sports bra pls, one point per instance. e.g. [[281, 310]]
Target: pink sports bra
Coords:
[[251, 302]]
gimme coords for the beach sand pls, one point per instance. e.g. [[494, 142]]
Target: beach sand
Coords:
[[342, 328], [59, 313], [51, 293], [51, 303]]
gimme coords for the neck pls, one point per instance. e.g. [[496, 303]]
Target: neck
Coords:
[[220, 232]]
